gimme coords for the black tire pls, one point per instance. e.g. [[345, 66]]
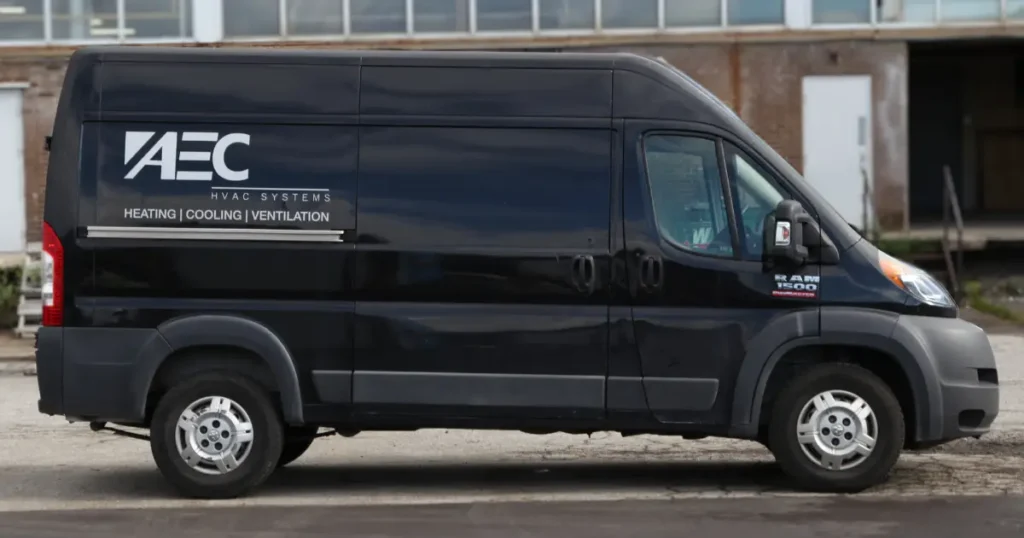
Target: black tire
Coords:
[[297, 441], [267, 429], [876, 467]]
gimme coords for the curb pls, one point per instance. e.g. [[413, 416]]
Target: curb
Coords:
[[20, 368], [28, 357]]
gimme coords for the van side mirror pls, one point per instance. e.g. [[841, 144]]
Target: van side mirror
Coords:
[[787, 232]]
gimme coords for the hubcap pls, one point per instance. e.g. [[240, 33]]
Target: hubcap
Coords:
[[214, 435], [837, 430]]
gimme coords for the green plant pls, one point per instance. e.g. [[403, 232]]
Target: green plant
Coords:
[[977, 300], [906, 247], [10, 293]]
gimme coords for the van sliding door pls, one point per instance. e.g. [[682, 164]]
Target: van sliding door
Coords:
[[482, 271]]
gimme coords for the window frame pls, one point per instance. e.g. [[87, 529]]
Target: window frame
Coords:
[[734, 186], [721, 138], [737, 254]]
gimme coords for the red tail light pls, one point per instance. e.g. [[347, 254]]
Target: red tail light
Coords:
[[53, 278]]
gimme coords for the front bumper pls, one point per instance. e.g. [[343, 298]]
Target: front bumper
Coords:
[[961, 372]]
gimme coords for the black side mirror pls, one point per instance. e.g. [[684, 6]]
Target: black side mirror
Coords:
[[786, 232]]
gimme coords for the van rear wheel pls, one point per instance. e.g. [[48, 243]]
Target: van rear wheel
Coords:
[[216, 436], [837, 428]]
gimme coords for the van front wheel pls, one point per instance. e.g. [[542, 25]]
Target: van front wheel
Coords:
[[837, 428], [216, 436]]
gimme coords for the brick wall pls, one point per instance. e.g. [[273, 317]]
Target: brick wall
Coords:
[[44, 76], [761, 81]]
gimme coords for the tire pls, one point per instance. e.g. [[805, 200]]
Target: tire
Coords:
[[256, 459], [854, 471], [296, 442]]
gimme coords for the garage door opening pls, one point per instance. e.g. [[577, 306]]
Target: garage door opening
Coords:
[[966, 108]]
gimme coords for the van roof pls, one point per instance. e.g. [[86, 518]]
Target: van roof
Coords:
[[562, 60]]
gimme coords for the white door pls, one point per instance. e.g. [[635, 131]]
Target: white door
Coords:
[[837, 142], [12, 173]]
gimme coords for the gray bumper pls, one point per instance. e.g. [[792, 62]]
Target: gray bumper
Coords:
[[50, 369], [960, 373]]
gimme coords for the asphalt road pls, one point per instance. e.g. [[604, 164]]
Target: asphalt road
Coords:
[[57, 477], [772, 518]]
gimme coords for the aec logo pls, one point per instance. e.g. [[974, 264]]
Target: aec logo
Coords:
[[164, 153]]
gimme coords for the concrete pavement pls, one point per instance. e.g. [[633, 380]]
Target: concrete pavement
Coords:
[[763, 518]]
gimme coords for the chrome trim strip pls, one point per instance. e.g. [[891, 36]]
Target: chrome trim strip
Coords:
[[213, 234]]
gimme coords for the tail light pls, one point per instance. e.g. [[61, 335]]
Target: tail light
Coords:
[[53, 278]]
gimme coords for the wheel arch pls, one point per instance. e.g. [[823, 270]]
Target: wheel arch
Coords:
[[874, 331], [186, 336]]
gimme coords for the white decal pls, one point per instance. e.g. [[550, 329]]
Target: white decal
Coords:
[[782, 233], [801, 286], [164, 153]]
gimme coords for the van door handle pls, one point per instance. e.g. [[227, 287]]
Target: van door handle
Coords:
[[584, 273], [652, 273]]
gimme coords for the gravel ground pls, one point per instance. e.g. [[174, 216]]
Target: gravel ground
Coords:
[[49, 464]]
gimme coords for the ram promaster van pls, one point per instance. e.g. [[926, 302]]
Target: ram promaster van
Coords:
[[249, 249]]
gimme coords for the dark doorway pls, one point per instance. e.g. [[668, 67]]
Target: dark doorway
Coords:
[[966, 102]]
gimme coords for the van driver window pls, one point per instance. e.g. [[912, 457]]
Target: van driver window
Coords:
[[755, 194], [686, 190]]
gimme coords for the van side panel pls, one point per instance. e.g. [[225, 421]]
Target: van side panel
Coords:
[[461, 91], [467, 303], [234, 163], [229, 88]]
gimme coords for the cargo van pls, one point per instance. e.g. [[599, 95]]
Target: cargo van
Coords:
[[249, 249]]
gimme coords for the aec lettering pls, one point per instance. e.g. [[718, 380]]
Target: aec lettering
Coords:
[[164, 154]]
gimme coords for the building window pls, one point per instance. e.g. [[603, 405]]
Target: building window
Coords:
[[909, 11], [1015, 9], [682, 13], [686, 190], [566, 14], [507, 15], [971, 10], [377, 16], [157, 18], [753, 12], [842, 11], [21, 20], [433, 16], [315, 17], [629, 13], [81, 20], [252, 18]]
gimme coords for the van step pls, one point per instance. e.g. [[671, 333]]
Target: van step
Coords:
[[30, 308], [27, 331]]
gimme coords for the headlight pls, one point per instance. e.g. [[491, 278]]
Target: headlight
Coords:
[[915, 281]]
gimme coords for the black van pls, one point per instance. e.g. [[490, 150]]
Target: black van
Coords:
[[247, 247]]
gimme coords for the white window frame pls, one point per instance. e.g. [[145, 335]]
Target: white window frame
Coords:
[[797, 16]]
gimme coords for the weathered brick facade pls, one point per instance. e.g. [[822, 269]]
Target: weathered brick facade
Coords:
[[44, 77], [761, 81]]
